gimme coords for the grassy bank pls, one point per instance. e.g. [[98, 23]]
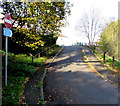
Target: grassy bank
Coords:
[[108, 59], [20, 69]]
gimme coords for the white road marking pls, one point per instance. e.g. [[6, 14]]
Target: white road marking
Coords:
[[8, 21]]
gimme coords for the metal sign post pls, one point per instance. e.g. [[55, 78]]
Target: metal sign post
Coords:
[[6, 59], [7, 33]]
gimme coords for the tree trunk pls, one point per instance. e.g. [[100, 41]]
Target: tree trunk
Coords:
[[104, 57], [113, 60]]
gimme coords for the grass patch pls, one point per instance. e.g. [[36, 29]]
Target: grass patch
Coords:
[[108, 61], [40, 84], [12, 92], [41, 101], [38, 61], [19, 68]]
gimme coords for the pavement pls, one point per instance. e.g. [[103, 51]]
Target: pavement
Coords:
[[70, 80], [32, 92], [102, 70]]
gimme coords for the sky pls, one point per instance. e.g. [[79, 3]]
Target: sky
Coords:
[[105, 9]]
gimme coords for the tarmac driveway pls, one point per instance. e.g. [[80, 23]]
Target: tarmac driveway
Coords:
[[70, 81]]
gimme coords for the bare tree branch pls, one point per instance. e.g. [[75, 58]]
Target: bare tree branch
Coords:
[[90, 25]]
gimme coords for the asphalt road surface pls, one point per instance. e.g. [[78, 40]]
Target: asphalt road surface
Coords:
[[70, 81]]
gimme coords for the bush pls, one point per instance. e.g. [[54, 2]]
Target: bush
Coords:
[[38, 61], [24, 59], [19, 69], [11, 93]]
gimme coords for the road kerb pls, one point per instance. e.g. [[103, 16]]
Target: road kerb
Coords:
[[44, 75], [93, 69]]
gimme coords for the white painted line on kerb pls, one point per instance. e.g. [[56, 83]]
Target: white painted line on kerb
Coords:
[[8, 21]]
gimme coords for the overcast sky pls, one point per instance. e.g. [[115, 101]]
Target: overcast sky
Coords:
[[106, 9]]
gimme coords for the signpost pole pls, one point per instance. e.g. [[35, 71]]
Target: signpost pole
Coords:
[[6, 58], [7, 33]]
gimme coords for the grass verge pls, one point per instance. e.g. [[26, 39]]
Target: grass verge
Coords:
[[95, 71], [19, 69], [108, 61]]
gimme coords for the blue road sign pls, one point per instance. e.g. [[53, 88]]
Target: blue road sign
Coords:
[[7, 32]]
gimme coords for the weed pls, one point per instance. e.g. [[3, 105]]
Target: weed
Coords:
[[40, 101], [40, 84]]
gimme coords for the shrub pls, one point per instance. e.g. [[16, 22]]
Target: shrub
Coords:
[[20, 69], [11, 93]]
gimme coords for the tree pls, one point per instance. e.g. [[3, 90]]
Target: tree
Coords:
[[118, 39], [90, 25], [36, 23], [108, 41], [103, 45]]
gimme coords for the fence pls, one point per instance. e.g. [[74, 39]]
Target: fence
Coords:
[[98, 49], [38, 54]]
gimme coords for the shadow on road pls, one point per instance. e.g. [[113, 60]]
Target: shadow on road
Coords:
[[70, 81]]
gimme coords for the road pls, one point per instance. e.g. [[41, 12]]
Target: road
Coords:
[[70, 81]]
